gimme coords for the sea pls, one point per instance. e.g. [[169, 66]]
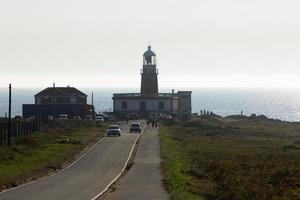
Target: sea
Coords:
[[278, 103]]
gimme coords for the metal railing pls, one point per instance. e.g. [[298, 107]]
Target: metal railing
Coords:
[[139, 94], [127, 95], [149, 71]]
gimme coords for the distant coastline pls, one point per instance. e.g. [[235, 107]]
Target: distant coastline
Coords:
[[283, 104]]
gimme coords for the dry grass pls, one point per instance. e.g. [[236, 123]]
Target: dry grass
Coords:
[[41, 153], [232, 159]]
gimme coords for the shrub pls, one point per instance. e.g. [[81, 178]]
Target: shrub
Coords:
[[32, 141]]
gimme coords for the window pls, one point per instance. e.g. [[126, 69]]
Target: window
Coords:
[[161, 105], [38, 100], [142, 106], [44, 100], [63, 100], [73, 100], [124, 104]]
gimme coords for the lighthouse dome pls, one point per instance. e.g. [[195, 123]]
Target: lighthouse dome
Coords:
[[149, 57], [149, 52]]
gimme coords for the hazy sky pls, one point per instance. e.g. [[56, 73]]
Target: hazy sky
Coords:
[[199, 43]]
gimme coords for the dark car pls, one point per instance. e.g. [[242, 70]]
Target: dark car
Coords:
[[113, 130], [135, 127]]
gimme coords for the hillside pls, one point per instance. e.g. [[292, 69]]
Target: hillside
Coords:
[[231, 158]]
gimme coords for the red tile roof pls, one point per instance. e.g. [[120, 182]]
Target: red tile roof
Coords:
[[61, 91]]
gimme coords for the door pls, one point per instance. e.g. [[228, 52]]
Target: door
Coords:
[[142, 106]]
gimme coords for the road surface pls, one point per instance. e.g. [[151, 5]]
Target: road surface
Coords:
[[86, 178], [144, 179]]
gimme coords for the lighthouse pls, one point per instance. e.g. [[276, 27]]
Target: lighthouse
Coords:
[[149, 101], [149, 72]]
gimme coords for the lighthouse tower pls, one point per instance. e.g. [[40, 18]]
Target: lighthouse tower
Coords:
[[149, 102], [149, 85]]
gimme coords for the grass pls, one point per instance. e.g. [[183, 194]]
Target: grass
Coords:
[[231, 159], [173, 166], [36, 155]]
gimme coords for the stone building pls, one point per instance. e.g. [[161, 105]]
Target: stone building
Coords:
[[149, 100]]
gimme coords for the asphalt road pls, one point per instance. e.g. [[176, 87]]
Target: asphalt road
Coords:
[[144, 179], [86, 178]]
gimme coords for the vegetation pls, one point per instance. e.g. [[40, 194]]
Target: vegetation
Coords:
[[36, 155], [231, 158]]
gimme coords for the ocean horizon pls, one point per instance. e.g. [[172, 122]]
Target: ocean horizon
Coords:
[[277, 103]]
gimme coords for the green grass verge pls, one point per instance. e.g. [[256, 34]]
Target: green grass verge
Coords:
[[231, 159], [36, 155], [173, 164]]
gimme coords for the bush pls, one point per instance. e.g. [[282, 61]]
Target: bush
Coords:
[[31, 141], [6, 156]]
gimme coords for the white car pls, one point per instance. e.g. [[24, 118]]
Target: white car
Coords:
[[63, 117], [88, 117], [99, 118], [77, 117], [113, 130]]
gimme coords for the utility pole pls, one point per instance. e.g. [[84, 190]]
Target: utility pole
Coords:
[[92, 98], [9, 117], [93, 110]]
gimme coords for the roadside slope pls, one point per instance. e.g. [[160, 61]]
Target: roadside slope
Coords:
[[83, 180]]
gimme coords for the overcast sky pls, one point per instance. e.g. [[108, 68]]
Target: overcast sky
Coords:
[[199, 43]]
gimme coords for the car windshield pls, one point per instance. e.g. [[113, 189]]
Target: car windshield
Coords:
[[135, 125], [114, 127]]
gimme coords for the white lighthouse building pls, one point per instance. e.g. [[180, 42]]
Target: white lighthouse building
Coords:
[[149, 100]]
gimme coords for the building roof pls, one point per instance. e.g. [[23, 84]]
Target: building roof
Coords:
[[61, 91], [149, 52]]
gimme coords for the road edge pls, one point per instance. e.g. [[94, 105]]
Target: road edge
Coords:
[[123, 171], [67, 166]]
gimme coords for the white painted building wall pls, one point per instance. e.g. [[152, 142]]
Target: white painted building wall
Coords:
[[151, 104], [175, 105]]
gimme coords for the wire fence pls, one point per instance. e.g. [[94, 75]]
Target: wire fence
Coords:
[[18, 128]]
